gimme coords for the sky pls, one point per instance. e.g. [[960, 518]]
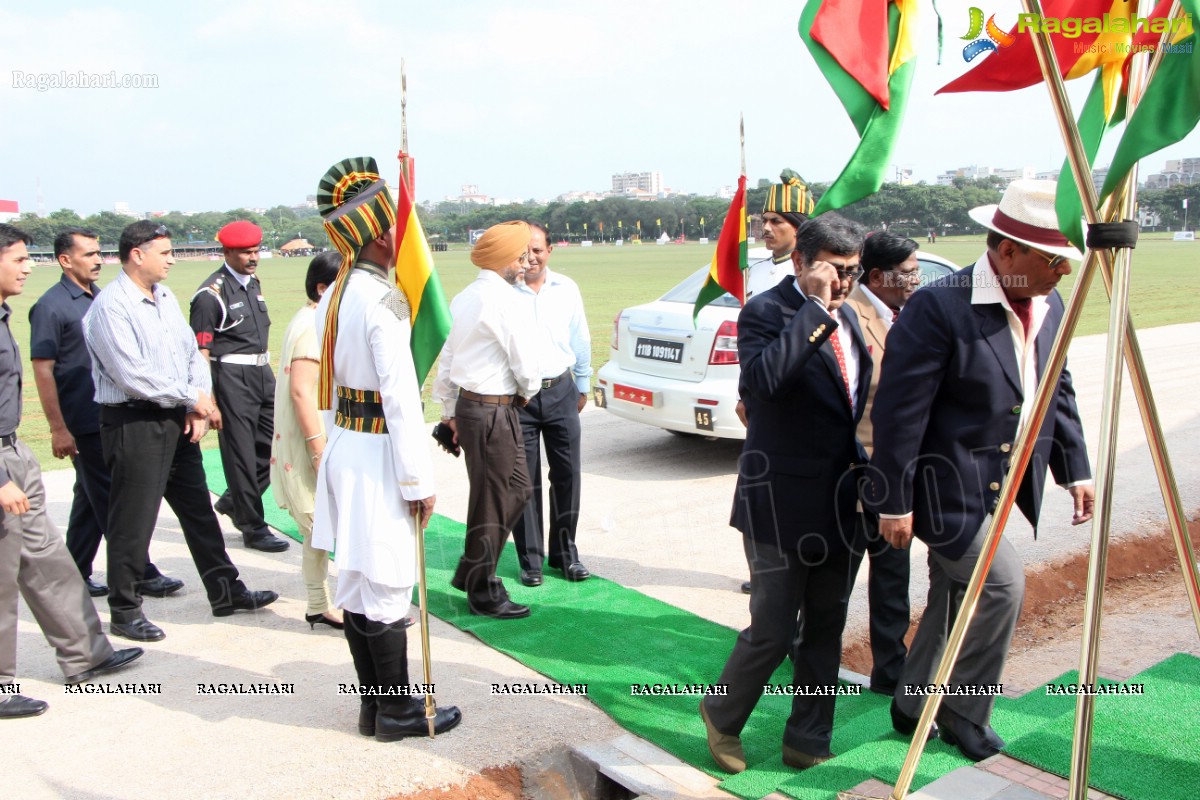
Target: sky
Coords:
[[525, 100]]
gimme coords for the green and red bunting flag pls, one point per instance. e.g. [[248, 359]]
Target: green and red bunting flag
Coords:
[[726, 272], [1106, 51], [1170, 108], [417, 278], [867, 51]]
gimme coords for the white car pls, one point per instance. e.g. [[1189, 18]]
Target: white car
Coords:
[[664, 372]]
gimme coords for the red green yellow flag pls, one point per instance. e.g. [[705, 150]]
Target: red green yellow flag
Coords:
[[1169, 109], [866, 49], [725, 273], [417, 278]]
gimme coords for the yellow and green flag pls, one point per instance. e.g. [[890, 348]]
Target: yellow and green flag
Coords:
[[726, 272], [417, 278]]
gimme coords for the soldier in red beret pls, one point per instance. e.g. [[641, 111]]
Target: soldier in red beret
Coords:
[[229, 316]]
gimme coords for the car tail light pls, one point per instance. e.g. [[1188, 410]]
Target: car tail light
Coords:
[[616, 335], [724, 349]]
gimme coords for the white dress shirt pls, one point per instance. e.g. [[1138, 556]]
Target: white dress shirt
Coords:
[[884, 311], [491, 348], [564, 341]]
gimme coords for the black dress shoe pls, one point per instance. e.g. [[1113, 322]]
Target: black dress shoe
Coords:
[[906, 725], [118, 659], [16, 706], [406, 717], [746, 587], [139, 630], [249, 601], [531, 577], [159, 586], [265, 541], [224, 505], [504, 610], [971, 739], [95, 589], [576, 572], [313, 619]]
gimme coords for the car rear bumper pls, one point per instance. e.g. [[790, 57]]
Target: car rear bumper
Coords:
[[671, 404]]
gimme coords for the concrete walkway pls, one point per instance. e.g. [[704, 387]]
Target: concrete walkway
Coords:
[[654, 519]]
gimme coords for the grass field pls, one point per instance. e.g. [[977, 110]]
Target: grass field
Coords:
[[611, 279]]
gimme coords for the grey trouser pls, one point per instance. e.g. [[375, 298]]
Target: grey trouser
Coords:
[[985, 647], [34, 560]]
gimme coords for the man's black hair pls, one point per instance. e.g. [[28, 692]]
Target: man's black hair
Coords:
[[66, 240]]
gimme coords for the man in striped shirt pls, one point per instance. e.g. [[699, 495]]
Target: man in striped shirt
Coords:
[[154, 389]]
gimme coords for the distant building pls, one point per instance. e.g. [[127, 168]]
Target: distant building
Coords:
[[470, 194], [579, 197], [974, 172], [1047, 175], [310, 201], [1184, 171], [639, 181], [9, 210], [122, 208]]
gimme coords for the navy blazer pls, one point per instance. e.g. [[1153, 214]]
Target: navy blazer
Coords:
[[946, 413], [796, 476]]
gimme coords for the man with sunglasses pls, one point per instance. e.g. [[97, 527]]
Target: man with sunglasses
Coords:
[[805, 374], [488, 367], [154, 390], [963, 365]]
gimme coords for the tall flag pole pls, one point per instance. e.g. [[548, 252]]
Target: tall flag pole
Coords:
[[415, 273], [867, 52], [430, 320], [726, 273]]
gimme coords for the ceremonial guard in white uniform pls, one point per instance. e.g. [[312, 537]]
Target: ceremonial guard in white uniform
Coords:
[[375, 472]]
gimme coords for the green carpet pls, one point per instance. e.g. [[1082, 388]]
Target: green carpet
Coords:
[[611, 637], [1144, 746]]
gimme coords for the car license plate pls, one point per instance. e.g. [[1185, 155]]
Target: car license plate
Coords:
[[704, 419], [659, 350], [632, 394]]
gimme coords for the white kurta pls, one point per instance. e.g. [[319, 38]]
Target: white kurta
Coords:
[[366, 479]]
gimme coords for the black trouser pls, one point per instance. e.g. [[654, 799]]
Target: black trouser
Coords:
[[797, 607], [89, 509], [554, 415], [490, 437], [887, 598], [151, 460], [245, 396]]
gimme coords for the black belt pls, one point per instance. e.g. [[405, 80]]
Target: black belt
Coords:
[[549, 382], [360, 410], [8, 440], [141, 405]]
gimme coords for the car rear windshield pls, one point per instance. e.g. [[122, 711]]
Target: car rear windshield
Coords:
[[689, 290]]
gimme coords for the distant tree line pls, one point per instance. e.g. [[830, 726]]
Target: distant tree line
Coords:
[[910, 210], [280, 225]]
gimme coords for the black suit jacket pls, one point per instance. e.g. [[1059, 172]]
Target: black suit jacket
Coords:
[[796, 476], [946, 413]]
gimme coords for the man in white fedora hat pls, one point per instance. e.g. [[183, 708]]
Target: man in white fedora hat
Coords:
[[963, 365]]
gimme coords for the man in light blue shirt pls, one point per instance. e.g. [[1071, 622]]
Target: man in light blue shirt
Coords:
[[565, 357]]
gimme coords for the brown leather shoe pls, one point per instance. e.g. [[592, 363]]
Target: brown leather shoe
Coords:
[[797, 759], [726, 750]]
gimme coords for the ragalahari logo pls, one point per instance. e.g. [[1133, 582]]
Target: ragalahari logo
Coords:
[[994, 39]]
